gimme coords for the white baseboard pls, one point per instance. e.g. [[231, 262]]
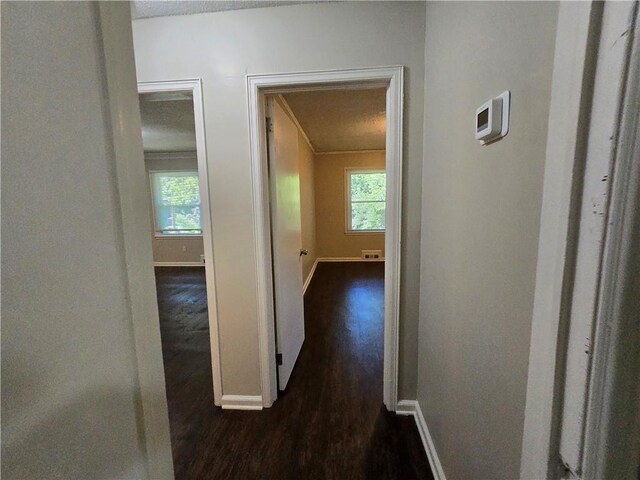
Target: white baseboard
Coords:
[[349, 259], [406, 407], [309, 277], [412, 407], [241, 402], [178, 264]]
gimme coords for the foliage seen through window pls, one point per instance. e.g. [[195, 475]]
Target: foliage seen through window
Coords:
[[176, 203], [367, 195]]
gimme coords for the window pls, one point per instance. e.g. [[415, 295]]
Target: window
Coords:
[[366, 195], [176, 203]]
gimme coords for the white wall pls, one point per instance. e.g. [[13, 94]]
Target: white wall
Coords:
[[222, 48], [71, 387], [480, 217]]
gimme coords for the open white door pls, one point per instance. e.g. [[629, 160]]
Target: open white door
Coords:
[[284, 180]]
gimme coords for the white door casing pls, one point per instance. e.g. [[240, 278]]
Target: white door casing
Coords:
[[596, 185], [195, 87], [284, 182], [259, 85], [566, 427]]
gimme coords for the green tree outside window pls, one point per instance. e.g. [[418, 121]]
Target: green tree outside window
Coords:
[[176, 203], [367, 200]]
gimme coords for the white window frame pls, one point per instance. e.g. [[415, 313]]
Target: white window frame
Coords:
[[348, 171], [161, 234]]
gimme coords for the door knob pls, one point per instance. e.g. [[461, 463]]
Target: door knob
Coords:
[[304, 252]]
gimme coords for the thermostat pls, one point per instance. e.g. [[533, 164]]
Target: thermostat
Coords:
[[492, 119]]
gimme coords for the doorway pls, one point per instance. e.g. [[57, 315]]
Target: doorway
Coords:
[[175, 161], [259, 86], [327, 186]]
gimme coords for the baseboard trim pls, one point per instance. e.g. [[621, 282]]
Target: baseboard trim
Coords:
[[178, 264], [334, 259], [241, 402], [412, 407], [349, 259], [309, 277], [406, 407]]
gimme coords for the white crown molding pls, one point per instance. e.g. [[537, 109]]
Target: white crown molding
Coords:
[[287, 107]]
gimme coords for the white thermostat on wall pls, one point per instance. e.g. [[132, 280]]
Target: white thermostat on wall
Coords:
[[492, 119]]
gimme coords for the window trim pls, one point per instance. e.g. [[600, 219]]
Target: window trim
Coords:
[[348, 171], [159, 233]]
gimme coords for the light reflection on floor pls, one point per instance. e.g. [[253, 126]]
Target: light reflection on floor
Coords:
[[364, 302]]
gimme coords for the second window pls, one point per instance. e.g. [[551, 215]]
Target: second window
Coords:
[[366, 200]]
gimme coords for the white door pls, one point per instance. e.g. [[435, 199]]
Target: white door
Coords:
[[284, 179]]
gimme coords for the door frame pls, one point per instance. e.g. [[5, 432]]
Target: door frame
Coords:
[[195, 87], [576, 56], [391, 78]]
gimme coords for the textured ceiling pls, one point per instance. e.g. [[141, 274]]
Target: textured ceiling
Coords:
[[168, 124], [333, 120], [341, 120], [146, 9]]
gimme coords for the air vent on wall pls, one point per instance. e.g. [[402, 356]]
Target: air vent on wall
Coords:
[[371, 254]]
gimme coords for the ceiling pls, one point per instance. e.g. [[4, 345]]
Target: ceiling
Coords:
[[333, 120], [341, 120], [147, 9], [168, 124]]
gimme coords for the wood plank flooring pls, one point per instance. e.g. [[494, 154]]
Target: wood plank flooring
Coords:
[[329, 424]]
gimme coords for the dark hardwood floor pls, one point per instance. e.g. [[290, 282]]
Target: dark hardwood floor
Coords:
[[329, 424]]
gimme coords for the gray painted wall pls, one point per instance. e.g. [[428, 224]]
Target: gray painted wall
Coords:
[[480, 217], [221, 48], [70, 382]]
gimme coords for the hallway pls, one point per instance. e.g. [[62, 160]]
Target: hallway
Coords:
[[329, 424]]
